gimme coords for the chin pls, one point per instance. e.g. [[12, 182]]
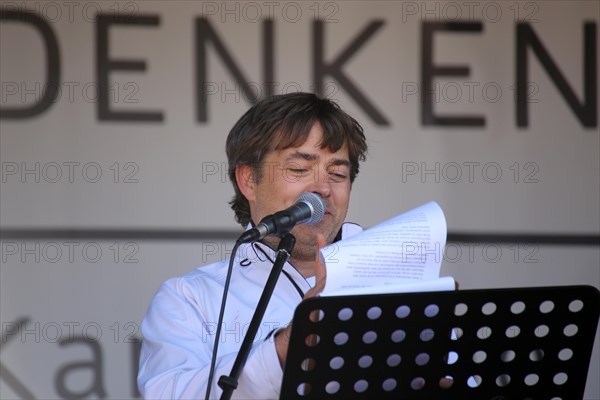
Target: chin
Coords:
[[308, 233]]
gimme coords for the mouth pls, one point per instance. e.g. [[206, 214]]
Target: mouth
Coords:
[[328, 212]]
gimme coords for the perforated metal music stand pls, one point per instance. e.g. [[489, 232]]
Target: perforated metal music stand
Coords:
[[521, 343]]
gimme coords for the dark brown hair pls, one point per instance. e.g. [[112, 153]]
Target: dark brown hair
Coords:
[[284, 121]]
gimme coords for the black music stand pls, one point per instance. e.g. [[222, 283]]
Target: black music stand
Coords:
[[518, 343]]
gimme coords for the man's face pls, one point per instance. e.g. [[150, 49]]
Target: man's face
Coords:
[[308, 168]]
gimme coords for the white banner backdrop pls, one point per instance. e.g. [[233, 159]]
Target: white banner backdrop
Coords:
[[114, 115]]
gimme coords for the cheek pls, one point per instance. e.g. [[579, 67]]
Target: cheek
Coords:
[[276, 196], [264, 204], [341, 194]]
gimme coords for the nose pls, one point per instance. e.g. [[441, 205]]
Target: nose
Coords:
[[320, 186]]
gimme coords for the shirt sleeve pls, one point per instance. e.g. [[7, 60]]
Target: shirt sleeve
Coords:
[[177, 349]]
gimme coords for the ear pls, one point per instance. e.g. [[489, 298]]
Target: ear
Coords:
[[244, 175]]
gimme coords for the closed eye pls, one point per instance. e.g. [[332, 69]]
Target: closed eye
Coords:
[[297, 173], [338, 177]]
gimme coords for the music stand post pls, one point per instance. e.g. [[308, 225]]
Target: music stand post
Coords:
[[230, 382], [517, 343]]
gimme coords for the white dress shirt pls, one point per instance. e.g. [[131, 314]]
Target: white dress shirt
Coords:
[[180, 325]]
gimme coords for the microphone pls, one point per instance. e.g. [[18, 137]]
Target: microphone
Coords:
[[308, 209]]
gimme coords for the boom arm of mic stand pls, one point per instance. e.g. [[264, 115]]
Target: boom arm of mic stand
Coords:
[[229, 383]]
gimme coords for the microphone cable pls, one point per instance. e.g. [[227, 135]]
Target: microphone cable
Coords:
[[271, 226], [220, 321]]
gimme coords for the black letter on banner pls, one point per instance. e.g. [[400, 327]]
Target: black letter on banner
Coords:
[[136, 348], [334, 69], [51, 90], [429, 71], [586, 112], [269, 57], [205, 33], [12, 329], [104, 65], [95, 365]]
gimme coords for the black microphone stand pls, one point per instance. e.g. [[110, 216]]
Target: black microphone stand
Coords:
[[229, 383]]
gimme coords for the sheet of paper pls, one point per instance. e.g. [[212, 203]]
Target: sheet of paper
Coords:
[[405, 249], [445, 283]]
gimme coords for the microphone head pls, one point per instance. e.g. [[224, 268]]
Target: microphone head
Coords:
[[316, 204]]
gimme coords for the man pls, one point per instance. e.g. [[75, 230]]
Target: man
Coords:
[[281, 147]]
